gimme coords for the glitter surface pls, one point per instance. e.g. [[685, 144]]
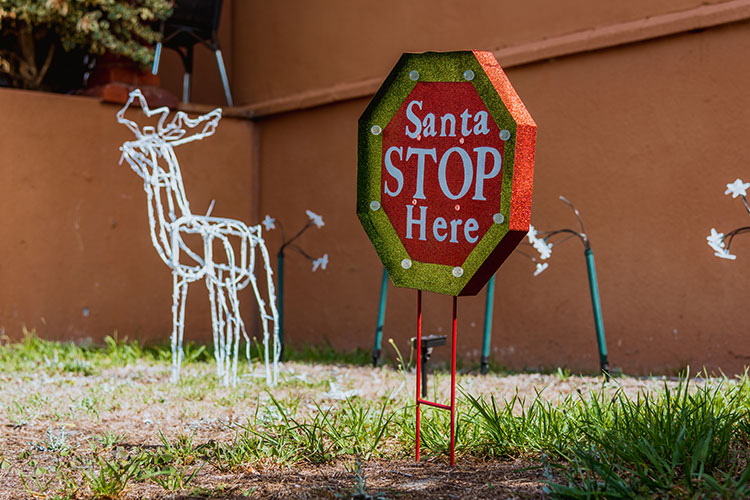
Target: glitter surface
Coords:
[[511, 124]]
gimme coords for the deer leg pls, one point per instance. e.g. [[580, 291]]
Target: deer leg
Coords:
[[215, 321], [265, 317], [222, 312], [183, 301], [179, 295], [228, 332], [211, 285], [237, 326], [175, 320]]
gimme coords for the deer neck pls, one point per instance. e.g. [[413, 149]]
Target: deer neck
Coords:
[[167, 201]]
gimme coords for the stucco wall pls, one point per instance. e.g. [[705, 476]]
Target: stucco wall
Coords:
[[641, 135], [297, 46], [74, 225], [642, 138]]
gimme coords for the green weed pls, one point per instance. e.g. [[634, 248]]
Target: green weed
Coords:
[[25, 411], [402, 365], [38, 482], [43, 483], [110, 477], [181, 448], [174, 478], [359, 491], [359, 428], [108, 440]]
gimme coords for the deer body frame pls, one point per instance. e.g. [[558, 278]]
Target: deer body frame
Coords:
[[151, 155]]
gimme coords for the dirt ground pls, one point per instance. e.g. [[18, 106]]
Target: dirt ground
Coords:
[[398, 479], [137, 402]]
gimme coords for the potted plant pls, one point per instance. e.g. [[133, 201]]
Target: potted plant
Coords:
[[52, 44]]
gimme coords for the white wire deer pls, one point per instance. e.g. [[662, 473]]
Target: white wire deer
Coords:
[[151, 155]]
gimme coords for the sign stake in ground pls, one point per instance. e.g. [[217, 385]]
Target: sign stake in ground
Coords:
[[444, 179], [484, 366]]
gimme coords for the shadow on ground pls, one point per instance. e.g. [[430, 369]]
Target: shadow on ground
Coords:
[[402, 479]]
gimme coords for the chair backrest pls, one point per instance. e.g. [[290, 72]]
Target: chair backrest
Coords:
[[198, 19]]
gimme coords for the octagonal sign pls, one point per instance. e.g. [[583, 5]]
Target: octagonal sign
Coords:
[[445, 173]]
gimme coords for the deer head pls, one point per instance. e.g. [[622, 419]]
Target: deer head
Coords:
[[179, 130]]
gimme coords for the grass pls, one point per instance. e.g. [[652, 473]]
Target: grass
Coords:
[[327, 354], [675, 444], [689, 439]]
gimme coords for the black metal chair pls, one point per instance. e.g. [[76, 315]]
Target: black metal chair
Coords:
[[193, 21]]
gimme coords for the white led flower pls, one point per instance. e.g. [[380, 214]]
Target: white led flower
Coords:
[[315, 218], [541, 246], [716, 242], [540, 267], [737, 188], [269, 222], [321, 262]]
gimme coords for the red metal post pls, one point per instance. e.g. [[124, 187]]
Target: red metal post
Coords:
[[419, 400], [453, 382], [419, 363]]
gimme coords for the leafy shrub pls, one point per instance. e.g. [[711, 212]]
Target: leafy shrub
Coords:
[[43, 42]]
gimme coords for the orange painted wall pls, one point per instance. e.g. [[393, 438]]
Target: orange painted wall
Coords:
[[282, 48], [74, 225], [642, 138]]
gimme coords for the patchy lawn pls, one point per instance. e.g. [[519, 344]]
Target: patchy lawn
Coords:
[[105, 422]]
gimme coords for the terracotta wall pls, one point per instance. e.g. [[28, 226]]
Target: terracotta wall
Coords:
[[77, 260], [642, 110], [297, 46], [642, 138]]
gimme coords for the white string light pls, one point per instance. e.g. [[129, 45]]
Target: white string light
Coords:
[[720, 242], [716, 241], [541, 246], [153, 158]]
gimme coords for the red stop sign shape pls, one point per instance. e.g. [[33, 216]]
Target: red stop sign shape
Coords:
[[441, 171], [445, 171]]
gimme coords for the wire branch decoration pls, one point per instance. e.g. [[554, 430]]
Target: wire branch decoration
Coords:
[[541, 241], [216, 259], [720, 242], [313, 219], [270, 223]]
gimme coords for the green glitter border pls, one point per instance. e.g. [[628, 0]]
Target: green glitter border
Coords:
[[432, 67]]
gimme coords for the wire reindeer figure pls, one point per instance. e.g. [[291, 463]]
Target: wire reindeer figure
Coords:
[[720, 242], [225, 271], [540, 240]]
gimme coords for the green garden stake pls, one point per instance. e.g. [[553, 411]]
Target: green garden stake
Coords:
[[381, 319], [598, 323], [544, 247], [484, 366]]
